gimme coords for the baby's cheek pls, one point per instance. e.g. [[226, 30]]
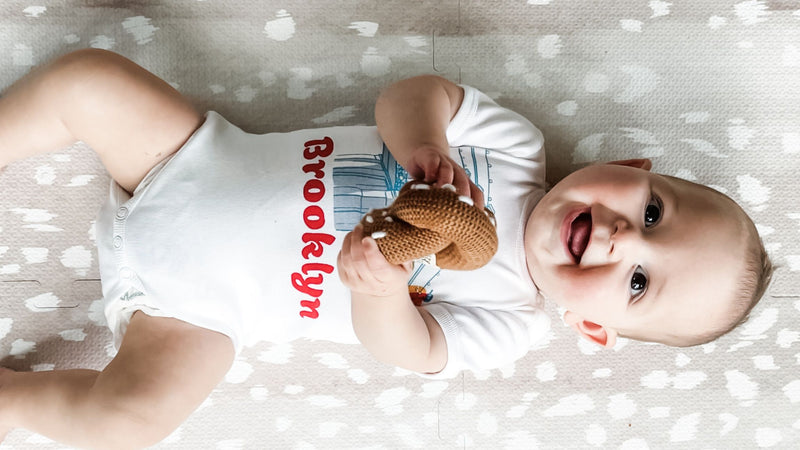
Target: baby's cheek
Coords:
[[592, 287]]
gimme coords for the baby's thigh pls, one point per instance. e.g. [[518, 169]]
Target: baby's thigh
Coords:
[[129, 116]]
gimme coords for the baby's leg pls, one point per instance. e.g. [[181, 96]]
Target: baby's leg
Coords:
[[165, 367], [130, 117], [164, 370]]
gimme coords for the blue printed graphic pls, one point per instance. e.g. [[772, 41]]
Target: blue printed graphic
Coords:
[[362, 182], [475, 162], [367, 181]]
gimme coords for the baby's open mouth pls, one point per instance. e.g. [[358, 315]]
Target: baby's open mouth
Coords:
[[579, 232]]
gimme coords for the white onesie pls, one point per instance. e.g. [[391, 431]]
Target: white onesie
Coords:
[[239, 233]]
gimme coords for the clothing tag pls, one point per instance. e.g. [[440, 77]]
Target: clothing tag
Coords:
[[429, 260], [130, 295]]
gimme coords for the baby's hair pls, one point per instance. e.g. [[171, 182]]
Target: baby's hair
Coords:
[[752, 285], [758, 274]]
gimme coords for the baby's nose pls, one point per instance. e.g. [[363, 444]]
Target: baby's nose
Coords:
[[611, 233], [627, 240], [620, 233]]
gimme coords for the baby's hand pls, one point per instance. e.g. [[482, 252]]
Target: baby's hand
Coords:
[[432, 166], [364, 269]]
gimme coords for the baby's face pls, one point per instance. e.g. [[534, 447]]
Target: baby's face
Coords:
[[636, 253]]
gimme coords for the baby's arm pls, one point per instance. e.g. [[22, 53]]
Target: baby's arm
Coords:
[[412, 117], [385, 320]]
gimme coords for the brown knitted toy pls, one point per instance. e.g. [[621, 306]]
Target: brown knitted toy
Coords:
[[424, 220]]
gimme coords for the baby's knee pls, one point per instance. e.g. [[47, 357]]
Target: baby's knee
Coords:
[[87, 57], [88, 66]]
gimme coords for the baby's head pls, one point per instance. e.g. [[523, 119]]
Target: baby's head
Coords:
[[650, 257]]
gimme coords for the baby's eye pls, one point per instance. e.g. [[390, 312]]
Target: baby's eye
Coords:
[[638, 282], [652, 212]]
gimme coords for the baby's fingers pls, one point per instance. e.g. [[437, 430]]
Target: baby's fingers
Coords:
[[352, 265], [424, 165], [445, 174], [430, 167], [357, 256], [461, 181], [464, 186], [381, 269], [343, 261], [375, 260], [477, 196]]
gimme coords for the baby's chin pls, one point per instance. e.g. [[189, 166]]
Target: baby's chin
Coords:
[[543, 298], [538, 239]]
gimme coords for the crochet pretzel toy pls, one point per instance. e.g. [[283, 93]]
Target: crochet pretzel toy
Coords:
[[425, 220]]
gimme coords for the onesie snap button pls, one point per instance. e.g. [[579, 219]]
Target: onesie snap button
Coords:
[[117, 241], [126, 273], [122, 213]]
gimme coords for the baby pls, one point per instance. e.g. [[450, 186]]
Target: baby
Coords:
[[214, 239]]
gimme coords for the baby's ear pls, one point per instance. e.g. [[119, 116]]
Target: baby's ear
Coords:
[[592, 332], [641, 163]]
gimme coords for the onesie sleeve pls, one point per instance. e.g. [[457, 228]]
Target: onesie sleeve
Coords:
[[481, 122], [481, 339]]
